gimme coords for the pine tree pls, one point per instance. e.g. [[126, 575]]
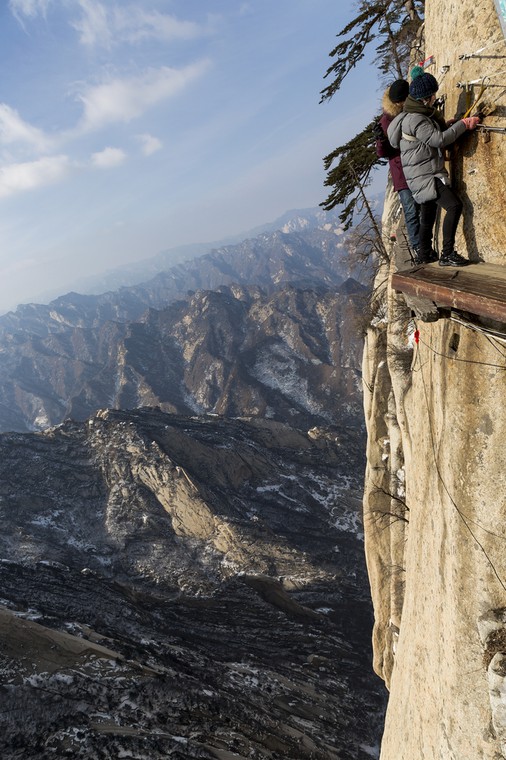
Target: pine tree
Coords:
[[393, 24]]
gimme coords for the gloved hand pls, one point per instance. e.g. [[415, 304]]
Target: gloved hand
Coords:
[[471, 122], [377, 131]]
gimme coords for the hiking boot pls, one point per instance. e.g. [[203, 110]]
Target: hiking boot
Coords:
[[424, 258], [453, 259]]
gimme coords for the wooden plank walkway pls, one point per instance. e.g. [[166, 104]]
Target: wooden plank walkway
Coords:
[[478, 288]]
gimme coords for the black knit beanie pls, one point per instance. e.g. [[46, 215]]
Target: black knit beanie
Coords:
[[423, 86], [398, 91]]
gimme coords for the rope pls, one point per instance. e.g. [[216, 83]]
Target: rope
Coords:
[[481, 93]]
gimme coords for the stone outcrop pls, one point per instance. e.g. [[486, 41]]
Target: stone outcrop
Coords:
[[434, 506]]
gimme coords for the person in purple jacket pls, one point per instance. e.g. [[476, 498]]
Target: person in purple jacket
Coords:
[[393, 101]]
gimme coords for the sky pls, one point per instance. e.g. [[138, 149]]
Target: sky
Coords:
[[128, 128]]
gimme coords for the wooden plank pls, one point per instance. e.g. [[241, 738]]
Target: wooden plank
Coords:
[[478, 288]]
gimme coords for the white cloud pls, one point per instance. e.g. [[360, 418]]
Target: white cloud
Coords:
[[13, 129], [108, 158], [101, 24], [93, 26], [133, 24], [122, 100], [16, 178], [149, 144], [28, 8]]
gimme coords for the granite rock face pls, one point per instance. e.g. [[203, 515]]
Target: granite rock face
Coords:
[[434, 507], [183, 587]]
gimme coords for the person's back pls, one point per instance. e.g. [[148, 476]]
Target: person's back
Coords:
[[392, 105]]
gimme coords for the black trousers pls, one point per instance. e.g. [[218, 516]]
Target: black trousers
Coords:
[[448, 201]]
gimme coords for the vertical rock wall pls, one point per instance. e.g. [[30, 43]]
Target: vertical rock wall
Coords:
[[454, 29], [435, 497]]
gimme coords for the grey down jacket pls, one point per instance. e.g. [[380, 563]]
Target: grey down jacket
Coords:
[[422, 158]]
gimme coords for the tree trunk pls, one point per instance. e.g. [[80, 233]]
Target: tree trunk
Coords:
[[411, 10]]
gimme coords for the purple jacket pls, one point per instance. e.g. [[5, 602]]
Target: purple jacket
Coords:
[[385, 150]]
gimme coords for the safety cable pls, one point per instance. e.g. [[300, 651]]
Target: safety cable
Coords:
[[444, 71], [464, 361], [465, 56], [486, 129], [466, 520], [493, 344], [478, 328], [492, 336], [463, 85]]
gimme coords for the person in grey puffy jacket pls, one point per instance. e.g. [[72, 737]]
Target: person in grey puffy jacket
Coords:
[[421, 134]]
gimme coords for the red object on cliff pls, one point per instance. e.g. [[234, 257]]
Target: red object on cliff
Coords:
[[417, 336]]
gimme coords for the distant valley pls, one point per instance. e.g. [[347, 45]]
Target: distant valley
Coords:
[[181, 557], [184, 588]]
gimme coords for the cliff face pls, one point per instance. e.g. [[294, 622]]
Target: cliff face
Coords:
[[434, 507]]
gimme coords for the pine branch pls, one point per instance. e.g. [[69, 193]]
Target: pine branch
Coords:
[[349, 52], [355, 159], [386, 20]]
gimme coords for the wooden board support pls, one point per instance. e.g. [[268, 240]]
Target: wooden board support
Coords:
[[478, 288]]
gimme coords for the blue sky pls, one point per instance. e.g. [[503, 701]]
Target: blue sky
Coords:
[[130, 128]]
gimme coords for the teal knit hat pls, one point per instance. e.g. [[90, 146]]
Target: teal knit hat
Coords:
[[422, 85]]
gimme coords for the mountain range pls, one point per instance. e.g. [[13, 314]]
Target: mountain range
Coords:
[[133, 273], [284, 319]]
